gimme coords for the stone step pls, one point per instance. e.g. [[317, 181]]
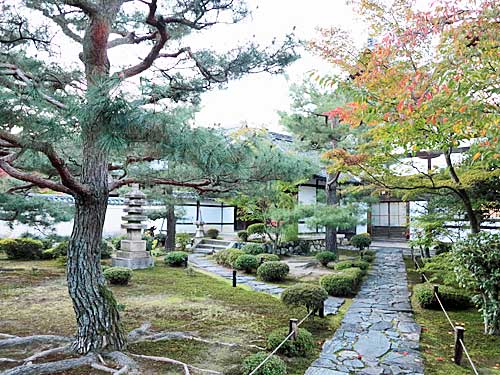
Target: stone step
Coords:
[[215, 242], [210, 246]]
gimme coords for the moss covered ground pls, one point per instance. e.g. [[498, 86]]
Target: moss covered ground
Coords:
[[34, 300], [437, 340]]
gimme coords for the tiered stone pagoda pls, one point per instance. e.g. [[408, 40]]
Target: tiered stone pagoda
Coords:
[[132, 253]]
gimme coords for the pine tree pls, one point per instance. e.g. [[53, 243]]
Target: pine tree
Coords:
[[65, 127]]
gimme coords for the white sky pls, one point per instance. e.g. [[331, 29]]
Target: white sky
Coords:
[[255, 99]]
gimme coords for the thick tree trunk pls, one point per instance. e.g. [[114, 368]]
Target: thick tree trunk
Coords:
[[331, 200], [171, 231], [95, 308]]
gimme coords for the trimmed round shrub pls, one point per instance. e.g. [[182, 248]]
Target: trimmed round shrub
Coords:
[[227, 257], [176, 258], [254, 248], [273, 271], [274, 366], [310, 296], [343, 283], [361, 264], [452, 298], [361, 241], [243, 235], [22, 248], [213, 233], [262, 258], [367, 255], [301, 347], [258, 228], [106, 250], [326, 257], [182, 240], [118, 275], [246, 262], [58, 251]]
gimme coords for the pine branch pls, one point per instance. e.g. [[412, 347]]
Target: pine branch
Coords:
[[201, 186], [159, 23], [88, 7], [131, 38]]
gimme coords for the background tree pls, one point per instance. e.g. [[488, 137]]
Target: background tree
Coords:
[[316, 132], [81, 119], [427, 88]]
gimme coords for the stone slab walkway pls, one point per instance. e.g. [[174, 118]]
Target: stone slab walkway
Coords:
[[378, 334], [332, 304]]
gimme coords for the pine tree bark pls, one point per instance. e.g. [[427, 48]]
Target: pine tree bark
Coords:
[[331, 200], [94, 305]]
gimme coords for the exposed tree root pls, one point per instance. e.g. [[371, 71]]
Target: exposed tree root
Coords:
[[30, 340], [51, 367], [60, 350], [185, 366], [144, 334]]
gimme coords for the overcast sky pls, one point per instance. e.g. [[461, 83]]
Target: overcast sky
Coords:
[[255, 99]]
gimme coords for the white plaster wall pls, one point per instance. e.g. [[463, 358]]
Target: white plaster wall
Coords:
[[307, 195]]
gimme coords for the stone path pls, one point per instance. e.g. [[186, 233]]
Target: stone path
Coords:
[[332, 304], [378, 334]]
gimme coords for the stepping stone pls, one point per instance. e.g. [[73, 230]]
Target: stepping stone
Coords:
[[323, 371], [373, 345]]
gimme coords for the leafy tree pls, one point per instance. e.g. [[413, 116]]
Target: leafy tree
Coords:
[[427, 89], [66, 126], [316, 132]]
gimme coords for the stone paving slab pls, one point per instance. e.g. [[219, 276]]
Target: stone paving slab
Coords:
[[332, 304], [378, 335]]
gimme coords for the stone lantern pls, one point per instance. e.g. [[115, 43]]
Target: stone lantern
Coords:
[[132, 253]]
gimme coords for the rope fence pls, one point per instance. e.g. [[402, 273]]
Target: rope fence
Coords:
[[459, 331], [293, 332]]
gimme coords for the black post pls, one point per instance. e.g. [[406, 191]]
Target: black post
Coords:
[[422, 277], [234, 278], [459, 335], [322, 310]]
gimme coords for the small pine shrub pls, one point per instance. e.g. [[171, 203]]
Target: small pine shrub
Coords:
[[118, 275], [301, 347], [273, 271], [452, 298], [258, 228], [243, 235], [246, 262], [274, 366], [343, 283], [326, 257], [253, 248], [213, 233], [176, 259], [262, 258], [310, 296], [22, 248], [361, 241], [367, 255]]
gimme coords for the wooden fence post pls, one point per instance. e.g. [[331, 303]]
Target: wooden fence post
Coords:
[[459, 335], [234, 278], [293, 327]]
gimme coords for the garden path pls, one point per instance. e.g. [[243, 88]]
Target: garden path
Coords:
[[378, 334], [332, 304]]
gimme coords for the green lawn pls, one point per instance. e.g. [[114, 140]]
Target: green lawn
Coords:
[[36, 302], [437, 339]]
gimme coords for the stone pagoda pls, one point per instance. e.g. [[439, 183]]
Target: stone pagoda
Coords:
[[132, 253]]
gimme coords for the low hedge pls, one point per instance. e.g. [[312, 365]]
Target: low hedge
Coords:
[[22, 248], [176, 258], [367, 255], [243, 235], [267, 258], [301, 347], [254, 248], [326, 257], [118, 275], [61, 250], [342, 283], [273, 271], [361, 264], [227, 257], [213, 233], [452, 298], [246, 262], [308, 295], [274, 366]]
